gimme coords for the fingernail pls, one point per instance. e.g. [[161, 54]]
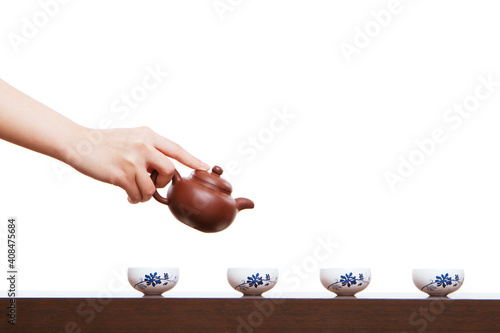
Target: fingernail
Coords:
[[205, 166]]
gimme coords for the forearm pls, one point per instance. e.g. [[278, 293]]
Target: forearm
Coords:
[[28, 123]]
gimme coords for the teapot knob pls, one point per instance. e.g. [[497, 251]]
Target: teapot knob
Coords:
[[217, 170]]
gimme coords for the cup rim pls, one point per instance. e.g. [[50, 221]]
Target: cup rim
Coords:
[[253, 268], [346, 268], [149, 268], [436, 269]]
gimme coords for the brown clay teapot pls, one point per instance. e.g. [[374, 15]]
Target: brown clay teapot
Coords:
[[203, 201]]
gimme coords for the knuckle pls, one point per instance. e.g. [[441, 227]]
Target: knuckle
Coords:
[[150, 190], [164, 179], [135, 197], [169, 168], [127, 166], [143, 146], [146, 131], [140, 144], [117, 178]]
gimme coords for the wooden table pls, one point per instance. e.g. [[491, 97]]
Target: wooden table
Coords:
[[293, 312]]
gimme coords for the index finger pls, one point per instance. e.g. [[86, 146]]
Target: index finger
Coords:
[[175, 151]]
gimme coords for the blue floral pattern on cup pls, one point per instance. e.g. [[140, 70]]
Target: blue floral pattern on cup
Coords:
[[255, 281], [348, 280], [153, 280], [443, 281]]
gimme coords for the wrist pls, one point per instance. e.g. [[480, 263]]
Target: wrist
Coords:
[[74, 145]]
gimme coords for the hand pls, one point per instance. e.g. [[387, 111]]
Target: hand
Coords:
[[126, 157]]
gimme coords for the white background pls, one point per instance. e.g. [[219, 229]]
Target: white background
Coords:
[[321, 177]]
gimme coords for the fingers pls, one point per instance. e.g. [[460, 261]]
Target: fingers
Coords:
[[133, 191], [142, 188], [139, 189], [173, 150], [163, 180], [164, 166], [139, 186], [145, 185]]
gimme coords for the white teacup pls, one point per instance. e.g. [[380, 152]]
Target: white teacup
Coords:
[[153, 280], [252, 281], [438, 281], [345, 281]]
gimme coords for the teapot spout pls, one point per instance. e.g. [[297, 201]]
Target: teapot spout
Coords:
[[244, 203]]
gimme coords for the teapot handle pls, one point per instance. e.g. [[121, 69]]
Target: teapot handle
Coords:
[[157, 195]]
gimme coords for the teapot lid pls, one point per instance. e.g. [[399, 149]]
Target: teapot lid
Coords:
[[214, 178]]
